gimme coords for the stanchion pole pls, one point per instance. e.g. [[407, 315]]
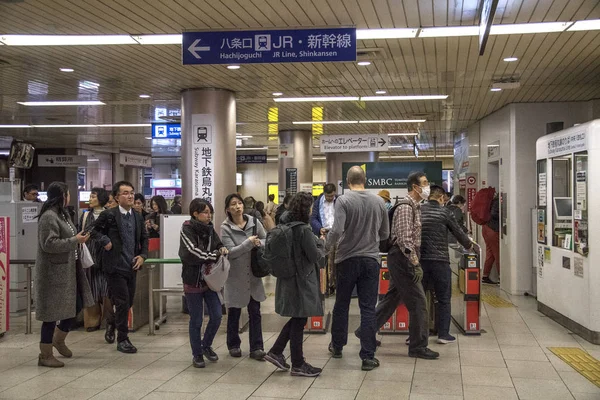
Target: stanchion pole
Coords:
[[150, 301], [28, 329]]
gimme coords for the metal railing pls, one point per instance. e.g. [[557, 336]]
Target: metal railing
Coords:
[[28, 265]]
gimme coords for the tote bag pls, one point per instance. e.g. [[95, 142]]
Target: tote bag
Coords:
[[215, 274]]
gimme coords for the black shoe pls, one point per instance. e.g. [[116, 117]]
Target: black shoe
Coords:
[[377, 342], [198, 362], [258, 355], [93, 328], [335, 353], [425, 353], [306, 370], [109, 335], [488, 281], [210, 354], [277, 360], [235, 352], [125, 346], [369, 364]]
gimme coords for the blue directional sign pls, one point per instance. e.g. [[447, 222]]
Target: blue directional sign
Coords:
[[166, 131], [270, 46]]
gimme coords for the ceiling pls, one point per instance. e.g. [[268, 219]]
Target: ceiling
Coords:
[[551, 67]]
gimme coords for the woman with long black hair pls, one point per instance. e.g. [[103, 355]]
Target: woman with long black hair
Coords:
[[158, 204], [298, 297], [61, 288]]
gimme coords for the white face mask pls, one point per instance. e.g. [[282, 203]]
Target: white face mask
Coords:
[[426, 191]]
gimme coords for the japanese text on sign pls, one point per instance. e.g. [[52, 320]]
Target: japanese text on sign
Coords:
[[272, 46], [203, 161], [567, 144], [352, 143]]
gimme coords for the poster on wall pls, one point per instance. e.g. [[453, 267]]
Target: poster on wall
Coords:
[[542, 189], [291, 181], [392, 176], [203, 161], [541, 226], [578, 267], [540, 260], [4, 273]]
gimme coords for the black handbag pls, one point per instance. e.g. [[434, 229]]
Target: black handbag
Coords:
[[259, 267]]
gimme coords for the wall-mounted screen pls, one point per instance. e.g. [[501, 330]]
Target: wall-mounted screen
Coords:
[[563, 208]]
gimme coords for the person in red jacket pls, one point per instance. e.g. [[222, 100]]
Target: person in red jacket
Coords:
[[491, 236]]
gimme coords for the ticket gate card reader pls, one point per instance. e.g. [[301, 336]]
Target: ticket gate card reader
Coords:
[[466, 293]]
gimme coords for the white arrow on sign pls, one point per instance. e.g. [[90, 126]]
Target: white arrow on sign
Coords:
[[194, 48]]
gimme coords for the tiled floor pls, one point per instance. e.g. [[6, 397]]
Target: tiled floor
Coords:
[[510, 361]]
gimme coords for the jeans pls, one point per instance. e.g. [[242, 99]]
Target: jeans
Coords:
[[195, 303], [362, 272], [121, 290], [293, 332], [403, 289], [233, 327], [437, 275]]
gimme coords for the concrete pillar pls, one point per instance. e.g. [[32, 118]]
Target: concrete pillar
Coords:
[[297, 167], [134, 175], [118, 171], [208, 161], [335, 160]]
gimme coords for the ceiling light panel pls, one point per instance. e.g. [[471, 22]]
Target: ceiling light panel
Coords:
[[65, 40], [392, 121], [404, 98], [542, 27], [449, 31], [60, 103], [588, 25], [323, 122], [158, 39], [399, 33], [313, 99]]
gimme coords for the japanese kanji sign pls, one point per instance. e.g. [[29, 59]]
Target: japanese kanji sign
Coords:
[[61, 161], [203, 185], [270, 46], [353, 143]]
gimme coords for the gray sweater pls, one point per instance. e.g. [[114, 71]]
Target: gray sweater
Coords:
[[361, 222]]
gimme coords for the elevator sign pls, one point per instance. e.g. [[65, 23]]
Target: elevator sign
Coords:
[[270, 46]]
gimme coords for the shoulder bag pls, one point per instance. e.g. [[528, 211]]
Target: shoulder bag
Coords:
[[259, 266], [215, 274]]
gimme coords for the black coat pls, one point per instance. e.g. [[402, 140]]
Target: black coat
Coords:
[[194, 250], [108, 230], [495, 215], [459, 216], [436, 222]]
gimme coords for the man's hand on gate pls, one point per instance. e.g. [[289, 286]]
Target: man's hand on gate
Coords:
[[418, 274]]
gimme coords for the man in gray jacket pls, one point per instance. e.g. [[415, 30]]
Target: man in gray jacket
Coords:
[[437, 221], [360, 223]]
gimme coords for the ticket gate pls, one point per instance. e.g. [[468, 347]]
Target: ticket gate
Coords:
[[399, 321], [466, 290], [320, 324]]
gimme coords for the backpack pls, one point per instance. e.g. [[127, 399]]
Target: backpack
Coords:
[[386, 245], [278, 252], [481, 207]]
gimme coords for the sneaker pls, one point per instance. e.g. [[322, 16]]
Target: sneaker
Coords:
[[258, 355], [235, 352], [425, 353], [445, 339], [306, 370], [488, 281], [370, 364], [210, 354], [377, 342], [198, 362], [335, 353], [277, 360]]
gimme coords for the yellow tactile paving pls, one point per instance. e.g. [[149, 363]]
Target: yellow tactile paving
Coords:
[[580, 361], [494, 300]]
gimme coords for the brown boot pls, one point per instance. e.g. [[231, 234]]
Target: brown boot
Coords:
[[46, 358], [58, 341]]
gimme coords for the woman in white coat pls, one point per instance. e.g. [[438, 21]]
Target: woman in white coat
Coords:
[[242, 289]]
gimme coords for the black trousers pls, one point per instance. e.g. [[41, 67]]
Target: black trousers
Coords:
[[121, 290], [293, 332], [255, 331]]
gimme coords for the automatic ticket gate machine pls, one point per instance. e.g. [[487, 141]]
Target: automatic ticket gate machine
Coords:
[[466, 290], [398, 322]]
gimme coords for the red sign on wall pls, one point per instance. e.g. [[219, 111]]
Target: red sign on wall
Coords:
[[4, 272], [471, 192]]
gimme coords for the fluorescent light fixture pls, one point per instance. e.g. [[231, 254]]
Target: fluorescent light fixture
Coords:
[[380, 92], [511, 59], [396, 33], [391, 121], [244, 137], [449, 31], [233, 67], [404, 134], [60, 103], [542, 27], [158, 39], [399, 146], [65, 40], [67, 70], [63, 126], [4, 152], [313, 99], [148, 138], [404, 98], [95, 126], [252, 148], [277, 94], [89, 85], [14, 126], [323, 122], [495, 89], [364, 63], [144, 96], [93, 160], [586, 25]]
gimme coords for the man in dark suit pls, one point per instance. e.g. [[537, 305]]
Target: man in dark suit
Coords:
[[123, 236]]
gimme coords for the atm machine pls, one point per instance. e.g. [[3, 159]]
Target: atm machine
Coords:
[[23, 245]]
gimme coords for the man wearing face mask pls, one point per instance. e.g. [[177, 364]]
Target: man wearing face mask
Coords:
[[405, 269]]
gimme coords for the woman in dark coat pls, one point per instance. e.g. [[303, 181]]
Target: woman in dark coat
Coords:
[[102, 308], [158, 204], [457, 207], [61, 288], [298, 297]]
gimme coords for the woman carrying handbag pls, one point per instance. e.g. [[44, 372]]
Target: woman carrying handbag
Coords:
[[199, 249]]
